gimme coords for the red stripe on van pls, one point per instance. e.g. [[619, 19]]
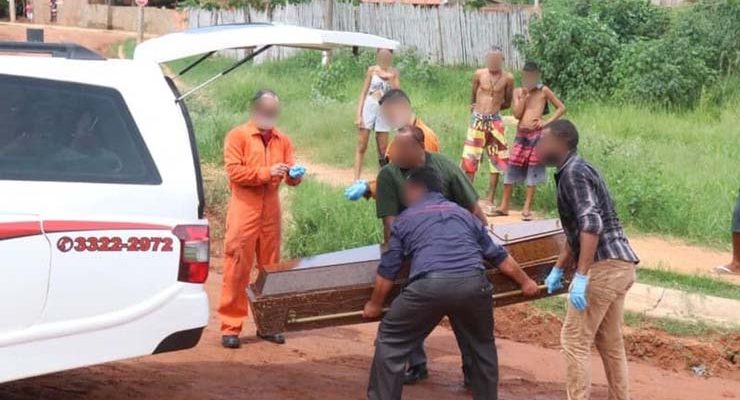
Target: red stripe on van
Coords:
[[12, 230], [73, 226]]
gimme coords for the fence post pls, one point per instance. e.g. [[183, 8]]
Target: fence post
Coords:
[[440, 37]]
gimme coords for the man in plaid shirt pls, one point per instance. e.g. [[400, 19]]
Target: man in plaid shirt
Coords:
[[605, 265]]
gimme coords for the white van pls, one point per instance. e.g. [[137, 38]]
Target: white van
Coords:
[[103, 240]]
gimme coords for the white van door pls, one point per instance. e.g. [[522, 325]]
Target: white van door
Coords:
[[26, 256]]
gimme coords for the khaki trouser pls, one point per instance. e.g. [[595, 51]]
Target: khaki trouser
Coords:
[[600, 324]]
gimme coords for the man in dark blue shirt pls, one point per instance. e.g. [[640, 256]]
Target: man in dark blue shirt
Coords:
[[447, 246]]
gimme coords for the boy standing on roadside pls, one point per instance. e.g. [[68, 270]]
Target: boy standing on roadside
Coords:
[[530, 105]]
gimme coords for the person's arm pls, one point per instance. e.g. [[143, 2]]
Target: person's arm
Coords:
[[396, 80], [508, 92], [363, 95], [554, 100], [590, 224], [289, 158], [387, 226], [520, 102], [241, 174], [497, 256], [390, 266], [474, 92]]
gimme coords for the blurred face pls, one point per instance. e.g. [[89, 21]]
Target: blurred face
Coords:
[[494, 60], [551, 149], [266, 112], [397, 113], [408, 152], [530, 79], [384, 58], [413, 194]]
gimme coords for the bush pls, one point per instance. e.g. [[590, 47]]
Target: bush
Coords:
[[667, 72], [714, 27], [630, 19], [575, 53]]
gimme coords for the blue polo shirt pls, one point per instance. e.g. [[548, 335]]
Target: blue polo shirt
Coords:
[[438, 236]]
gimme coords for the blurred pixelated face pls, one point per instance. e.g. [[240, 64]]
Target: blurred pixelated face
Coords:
[[551, 149], [413, 193], [494, 60], [530, 79], [384, 58], [266, 111], [408, 151], [396, 113]]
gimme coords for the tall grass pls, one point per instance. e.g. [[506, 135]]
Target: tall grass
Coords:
[[670, 173]]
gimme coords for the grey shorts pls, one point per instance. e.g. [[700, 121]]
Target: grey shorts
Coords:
[[371, 118], [736, 217], [531, 176]]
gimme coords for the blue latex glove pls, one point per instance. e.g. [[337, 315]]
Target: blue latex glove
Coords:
[[554, 280], [356, 190], [297, 171], [578, 291]]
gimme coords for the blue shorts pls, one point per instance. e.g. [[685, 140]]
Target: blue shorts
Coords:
[[736, 217], [531, 176]]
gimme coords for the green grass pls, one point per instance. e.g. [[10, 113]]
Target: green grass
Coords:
[[688, 283], [670, 173], [321, 220]]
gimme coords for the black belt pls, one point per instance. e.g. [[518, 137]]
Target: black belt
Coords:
[[447, 275]]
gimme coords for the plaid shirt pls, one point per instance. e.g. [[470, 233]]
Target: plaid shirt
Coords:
[[585, 205]]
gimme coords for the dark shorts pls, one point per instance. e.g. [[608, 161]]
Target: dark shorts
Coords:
[[530, 176], [736, 217]]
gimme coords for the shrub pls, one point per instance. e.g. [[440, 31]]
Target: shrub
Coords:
[[667, 72], [714, 27], [575, 53], [631, 19]]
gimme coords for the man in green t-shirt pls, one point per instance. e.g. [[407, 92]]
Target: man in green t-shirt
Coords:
[[410, 154]]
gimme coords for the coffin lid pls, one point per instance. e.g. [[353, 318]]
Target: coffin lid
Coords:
[[191, 42]]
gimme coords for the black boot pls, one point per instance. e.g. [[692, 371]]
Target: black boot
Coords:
[[415, 374], [231, 341], [276, 338]]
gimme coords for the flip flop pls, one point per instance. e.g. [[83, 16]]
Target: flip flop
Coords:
[[497, 213], [724, 270], [526, 217]]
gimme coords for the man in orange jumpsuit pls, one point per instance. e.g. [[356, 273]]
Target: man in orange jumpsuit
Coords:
[[258, 157]]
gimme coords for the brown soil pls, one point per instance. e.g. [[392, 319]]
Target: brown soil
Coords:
[[652, 346], [100, 41]]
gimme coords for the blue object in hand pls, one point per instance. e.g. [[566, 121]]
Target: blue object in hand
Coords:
[[554, 280], [578, 292], [356, 190], [297, 171]]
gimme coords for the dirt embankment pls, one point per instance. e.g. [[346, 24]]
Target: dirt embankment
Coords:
[[714, 354]]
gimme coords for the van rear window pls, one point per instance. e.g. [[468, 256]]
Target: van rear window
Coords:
[[70, 132]]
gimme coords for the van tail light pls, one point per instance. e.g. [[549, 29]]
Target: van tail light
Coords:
[[194, 253]]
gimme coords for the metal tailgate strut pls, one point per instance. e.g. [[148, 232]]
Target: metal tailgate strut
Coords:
[[219, 75]]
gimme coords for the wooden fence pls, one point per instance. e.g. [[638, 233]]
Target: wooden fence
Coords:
[[446, 35]]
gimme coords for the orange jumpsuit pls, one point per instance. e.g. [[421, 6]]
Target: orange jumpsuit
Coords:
[[253, 217]]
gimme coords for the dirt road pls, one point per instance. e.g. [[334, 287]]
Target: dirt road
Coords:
[[333, 364], [98, 40]]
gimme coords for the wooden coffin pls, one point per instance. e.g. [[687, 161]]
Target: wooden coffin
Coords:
[[331, 289]]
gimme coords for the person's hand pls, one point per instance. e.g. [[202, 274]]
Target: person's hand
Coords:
[[358, 122], [577, 295], [297, 171], [372, 310], [472, 106], [356, 190], [279, 169], [537, 123], [554, 280], [530, 288]]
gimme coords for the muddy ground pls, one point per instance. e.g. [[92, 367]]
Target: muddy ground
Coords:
[[331, 364], [100, 41]]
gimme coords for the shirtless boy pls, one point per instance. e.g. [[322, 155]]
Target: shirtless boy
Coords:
[[530, 102], [492, 92]]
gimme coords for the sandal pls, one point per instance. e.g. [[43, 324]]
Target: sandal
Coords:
[[497, 213], [724, 270], [527, 216]]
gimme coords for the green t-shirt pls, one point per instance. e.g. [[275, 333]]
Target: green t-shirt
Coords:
[[457, 187]]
